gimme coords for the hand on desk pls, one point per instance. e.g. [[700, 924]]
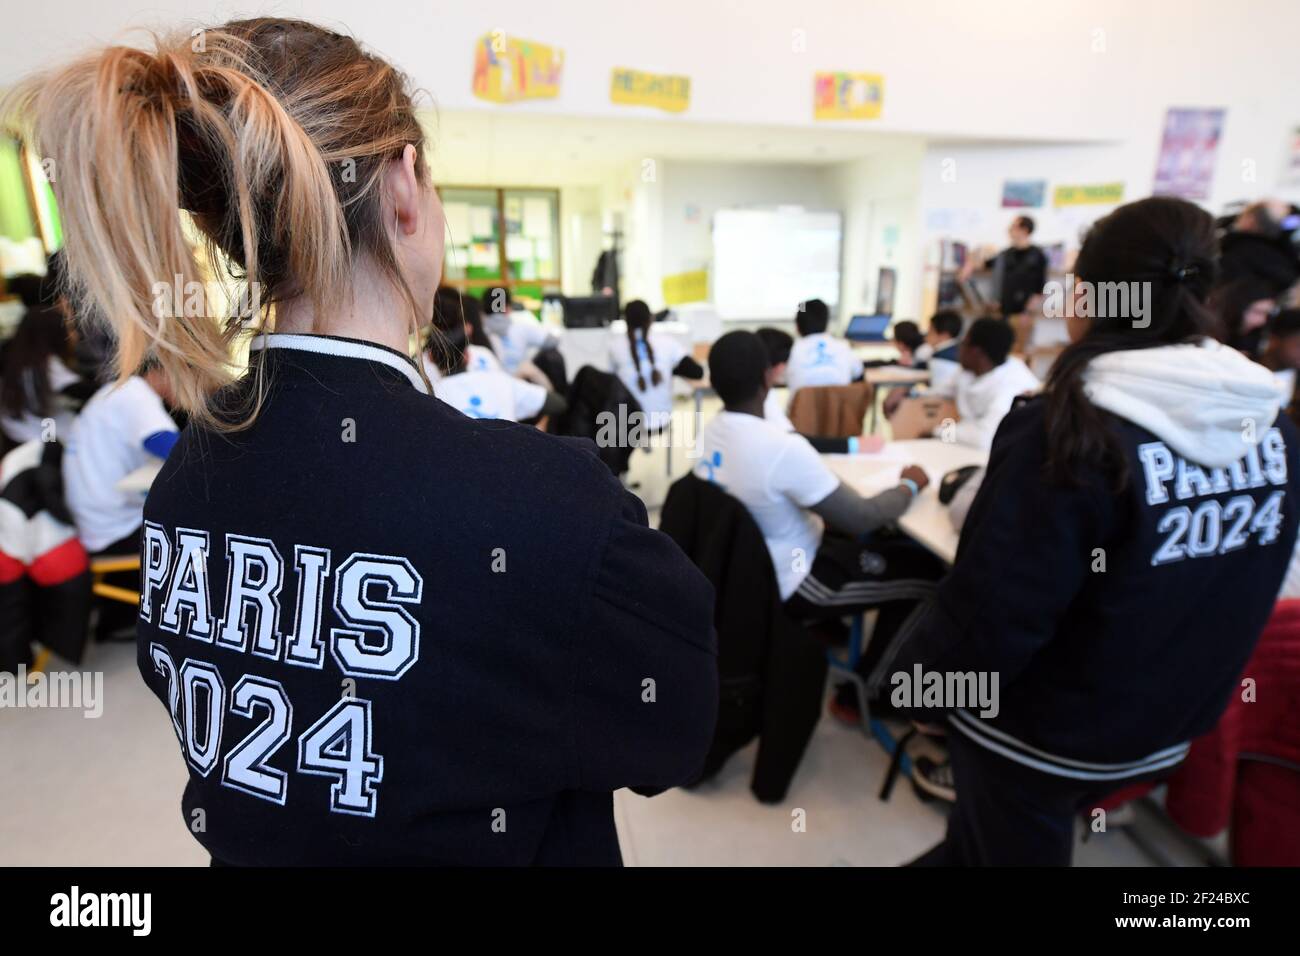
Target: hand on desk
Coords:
[[917, 474]]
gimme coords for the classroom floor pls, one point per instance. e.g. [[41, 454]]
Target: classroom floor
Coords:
[[78, 792]]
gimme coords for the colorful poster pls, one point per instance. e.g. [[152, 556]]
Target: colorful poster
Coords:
[[686, 287], [660, 90], [1023, 193], [508, 69], [1102, 194], [1187, 150], [840, 96]]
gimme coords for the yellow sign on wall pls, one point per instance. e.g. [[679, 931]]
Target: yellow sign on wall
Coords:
[[508, 69], [686, 287], [838, 95], [661, 90], [1101, 194]]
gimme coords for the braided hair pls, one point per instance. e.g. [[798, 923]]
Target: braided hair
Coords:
[[637, 315]]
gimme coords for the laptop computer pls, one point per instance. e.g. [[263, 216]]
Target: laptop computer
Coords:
[[867, 328]]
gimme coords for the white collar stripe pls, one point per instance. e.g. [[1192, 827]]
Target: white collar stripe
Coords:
[[341, 348]]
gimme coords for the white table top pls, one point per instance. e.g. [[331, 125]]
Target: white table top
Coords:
[[895, 375], [926, 520]]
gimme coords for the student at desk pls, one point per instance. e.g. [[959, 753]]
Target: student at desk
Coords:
[[1120, 559], [646, 361], [819, 358], [478, 389], [778, 345], [989, 382], [449, 308], [941, 349], [812, 523], [123, 427]]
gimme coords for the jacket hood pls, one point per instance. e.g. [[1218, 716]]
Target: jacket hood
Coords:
[[1197, 398]]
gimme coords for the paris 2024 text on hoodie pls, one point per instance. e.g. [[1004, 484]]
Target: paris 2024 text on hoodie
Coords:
[[1119, 622]]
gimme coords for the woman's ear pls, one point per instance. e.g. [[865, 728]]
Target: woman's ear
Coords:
[[405, 192]]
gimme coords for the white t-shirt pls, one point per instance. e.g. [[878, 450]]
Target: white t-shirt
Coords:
[[106, 445], [984, 400], [491, 395], [774, 412], [944, 369], [821, 359], [776, 475], [479, 359], [29, 427], [520, 340], [656, 400]]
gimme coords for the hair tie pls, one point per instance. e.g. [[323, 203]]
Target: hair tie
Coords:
[[1181, 273]]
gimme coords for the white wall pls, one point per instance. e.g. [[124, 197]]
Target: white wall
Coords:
[[881, 198], [1024, 69], [690, 193]]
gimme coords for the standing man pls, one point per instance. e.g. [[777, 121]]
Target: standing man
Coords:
[[1020, 270]]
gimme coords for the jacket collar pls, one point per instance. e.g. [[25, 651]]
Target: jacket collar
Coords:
[[354, 349]]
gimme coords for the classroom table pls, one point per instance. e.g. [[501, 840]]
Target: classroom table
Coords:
[[926, 520]]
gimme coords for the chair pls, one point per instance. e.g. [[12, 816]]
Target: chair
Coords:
[[111, 564], [831, 411], [772, 674]]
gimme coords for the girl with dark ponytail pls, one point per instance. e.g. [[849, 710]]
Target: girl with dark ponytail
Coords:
[[1160, 248], [646, 362], [1121, 556]]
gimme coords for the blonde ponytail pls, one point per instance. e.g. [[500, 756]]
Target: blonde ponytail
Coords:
[[272, 134]]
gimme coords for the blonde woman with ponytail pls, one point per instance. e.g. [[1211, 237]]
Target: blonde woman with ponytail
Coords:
[[380, 628]]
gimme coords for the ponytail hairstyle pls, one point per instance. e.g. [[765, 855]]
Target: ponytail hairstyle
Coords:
[[637, 315], [1168, 246], [272, 134]]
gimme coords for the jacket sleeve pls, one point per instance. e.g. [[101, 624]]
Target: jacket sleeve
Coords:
[[647, 675], [1027, 550]]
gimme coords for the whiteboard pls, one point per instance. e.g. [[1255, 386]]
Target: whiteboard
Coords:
[[767, 261]]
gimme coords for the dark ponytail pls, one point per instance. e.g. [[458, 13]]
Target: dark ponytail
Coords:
[[1167, 245], [637, 315]]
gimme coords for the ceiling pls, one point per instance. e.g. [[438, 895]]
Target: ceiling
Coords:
[[491, 146]]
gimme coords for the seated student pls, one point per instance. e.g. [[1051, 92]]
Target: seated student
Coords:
[[481, 356], [818, 358], [939, 353], [448, 307], [778, 344], [123, 427], [1120, 558], [514, 331], [909, 341], [810, 520], [941, 348], [36, 384], [990, 381], [484, 392], [645, 361]]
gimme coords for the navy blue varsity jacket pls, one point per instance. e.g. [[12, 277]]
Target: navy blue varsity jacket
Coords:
[[390, 634], [1118, 624]]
